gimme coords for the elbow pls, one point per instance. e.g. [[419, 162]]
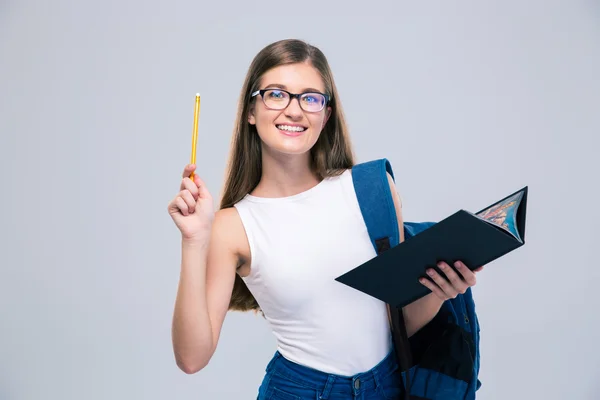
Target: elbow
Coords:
[[193, 362], [190, 367], [192, 358]]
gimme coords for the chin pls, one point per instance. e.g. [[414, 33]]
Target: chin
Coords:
[[286, 149]]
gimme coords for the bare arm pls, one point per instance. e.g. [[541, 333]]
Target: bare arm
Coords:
[[207, 274]]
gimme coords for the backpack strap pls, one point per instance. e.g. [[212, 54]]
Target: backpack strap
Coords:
[[371, 187], [378, 211]]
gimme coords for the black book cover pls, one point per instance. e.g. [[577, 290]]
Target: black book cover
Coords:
[[475, 239]]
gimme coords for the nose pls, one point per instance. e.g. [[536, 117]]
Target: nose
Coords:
[[293, 110]]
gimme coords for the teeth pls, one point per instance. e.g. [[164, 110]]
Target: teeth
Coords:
[[291, 128]]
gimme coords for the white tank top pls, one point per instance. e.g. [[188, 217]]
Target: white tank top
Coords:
[[299, 245]]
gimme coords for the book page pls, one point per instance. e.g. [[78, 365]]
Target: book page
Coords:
[[504, 214]]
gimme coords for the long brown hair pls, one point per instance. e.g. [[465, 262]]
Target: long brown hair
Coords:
[[331, 154]]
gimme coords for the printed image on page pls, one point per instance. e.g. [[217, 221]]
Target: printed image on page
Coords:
[[504, 214]]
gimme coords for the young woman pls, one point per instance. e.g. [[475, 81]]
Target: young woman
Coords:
[[288, 224]]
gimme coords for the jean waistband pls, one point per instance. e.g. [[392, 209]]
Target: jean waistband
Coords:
[[327, 382]]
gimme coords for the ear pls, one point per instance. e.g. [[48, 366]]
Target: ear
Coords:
[[251, 117]]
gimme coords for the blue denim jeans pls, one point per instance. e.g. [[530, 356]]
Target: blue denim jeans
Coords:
[[286, 380]]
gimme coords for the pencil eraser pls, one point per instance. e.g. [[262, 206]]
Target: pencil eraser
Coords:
[[197, 94]]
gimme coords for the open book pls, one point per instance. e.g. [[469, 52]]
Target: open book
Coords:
[[473, 238]]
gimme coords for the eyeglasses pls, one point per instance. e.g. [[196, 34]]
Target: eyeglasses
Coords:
[[279, 99]]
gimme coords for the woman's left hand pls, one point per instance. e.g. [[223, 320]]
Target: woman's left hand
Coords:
[[457, 283]]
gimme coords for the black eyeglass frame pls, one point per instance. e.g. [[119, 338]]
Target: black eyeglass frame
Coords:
[[291, 96]]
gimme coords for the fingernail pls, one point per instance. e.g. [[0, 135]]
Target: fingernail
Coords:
[[430, 271]]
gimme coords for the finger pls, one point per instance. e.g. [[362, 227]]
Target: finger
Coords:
[[478, 269], [187, 171], [456, 281], [203, 191], [442, 283], [182, 185], [181, 205], [468, 275], [189, 200], [187, 184], [434, 288]]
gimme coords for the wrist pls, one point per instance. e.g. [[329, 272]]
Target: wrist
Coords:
[[435, 303], [427, 305], [198, 242], [437, 300]]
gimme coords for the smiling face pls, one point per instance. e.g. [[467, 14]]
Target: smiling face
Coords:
[[291, 130]]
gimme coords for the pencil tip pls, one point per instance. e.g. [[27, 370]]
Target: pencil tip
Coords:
[[197, 94]]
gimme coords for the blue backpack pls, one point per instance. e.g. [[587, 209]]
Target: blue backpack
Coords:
[[440, 361]]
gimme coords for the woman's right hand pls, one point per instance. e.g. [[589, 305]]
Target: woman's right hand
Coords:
[[192, 208]]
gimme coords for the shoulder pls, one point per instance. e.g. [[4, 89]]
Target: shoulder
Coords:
[[227, 215], [228, 231], [226, 222]]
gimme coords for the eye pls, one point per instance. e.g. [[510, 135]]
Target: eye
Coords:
[[310, 98], [313, 99], [276, 94]]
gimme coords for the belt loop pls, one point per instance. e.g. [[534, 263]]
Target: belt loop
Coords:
[[327, 389], [376, 377]]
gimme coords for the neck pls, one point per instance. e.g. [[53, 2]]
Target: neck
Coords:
[[285, 175]]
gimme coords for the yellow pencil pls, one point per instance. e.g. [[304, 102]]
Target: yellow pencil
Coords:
[[195, 131]]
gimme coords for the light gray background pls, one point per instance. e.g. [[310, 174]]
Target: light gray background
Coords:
[[469, 100]]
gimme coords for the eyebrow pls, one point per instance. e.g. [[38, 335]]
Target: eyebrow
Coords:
[[280, 86]]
